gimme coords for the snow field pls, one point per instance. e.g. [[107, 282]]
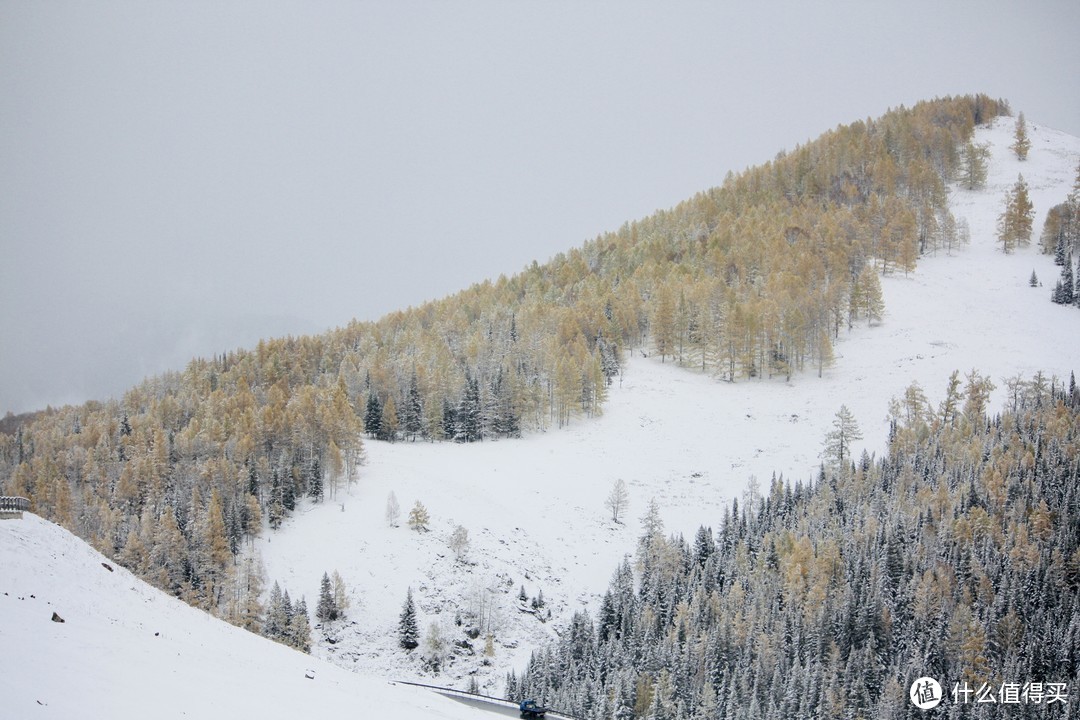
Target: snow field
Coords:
[[127, 651]]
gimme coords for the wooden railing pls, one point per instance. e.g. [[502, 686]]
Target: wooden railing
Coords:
[[13, 504]]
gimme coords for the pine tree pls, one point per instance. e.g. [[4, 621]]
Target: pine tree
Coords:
[[468, 417], [326, 611], [1033, 281], [609, 357], [449, 420], [315, 479], [300, 627], [1057, 294], [413, 410], [276, 615], [373, 416], [288, 485], [408, 631], [1076, 291], [1021, 143], [275, 508], [1064, 291]]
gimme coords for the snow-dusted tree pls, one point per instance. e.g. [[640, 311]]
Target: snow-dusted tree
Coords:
[[963, 232], [1014, 223], [412, 411], [617, 500], [300, 627], [340, 594], [1021, 142], [609, 357], [276, 614], [1033, 281], [373, 416], [390, 424], [652, 526], [977, 390], [838, 440], [326, 611], [663, 322], [434, 646], [250, 610], [449, 420], [459, 542], [1064, 291], [469, 425], [865, 299], [419, 518], [974, 159], [393, 510], [408, 630], [315, 479]]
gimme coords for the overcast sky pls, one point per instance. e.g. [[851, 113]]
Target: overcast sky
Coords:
[[182, 178]]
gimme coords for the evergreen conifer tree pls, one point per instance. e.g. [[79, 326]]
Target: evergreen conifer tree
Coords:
[[449, 420], [1067, 293], [276, 616], [326, 611], [300, 627], [412, 410], [288, 487], [373, 416], [408, 630], [275, 508], [315, 479], [469, 415]]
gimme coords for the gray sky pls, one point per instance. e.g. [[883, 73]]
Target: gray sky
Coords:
[[184, 178]]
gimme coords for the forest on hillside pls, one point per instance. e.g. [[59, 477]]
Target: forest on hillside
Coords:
[[956, 556], [755, 278]]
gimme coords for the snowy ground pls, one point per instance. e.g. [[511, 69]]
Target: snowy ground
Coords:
[[126, 651], [534, 508]]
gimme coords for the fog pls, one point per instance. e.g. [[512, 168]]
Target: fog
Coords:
[[181, 179]]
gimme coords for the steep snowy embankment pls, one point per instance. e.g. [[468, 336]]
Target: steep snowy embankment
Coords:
[[125, 651], [534, 508]]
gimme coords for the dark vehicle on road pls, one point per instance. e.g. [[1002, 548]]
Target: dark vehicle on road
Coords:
[[529, 709]]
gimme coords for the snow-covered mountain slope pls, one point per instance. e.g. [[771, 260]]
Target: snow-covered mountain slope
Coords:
[[535, 508], [127, 651]]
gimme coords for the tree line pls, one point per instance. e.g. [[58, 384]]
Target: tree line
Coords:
[[752, 279]]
